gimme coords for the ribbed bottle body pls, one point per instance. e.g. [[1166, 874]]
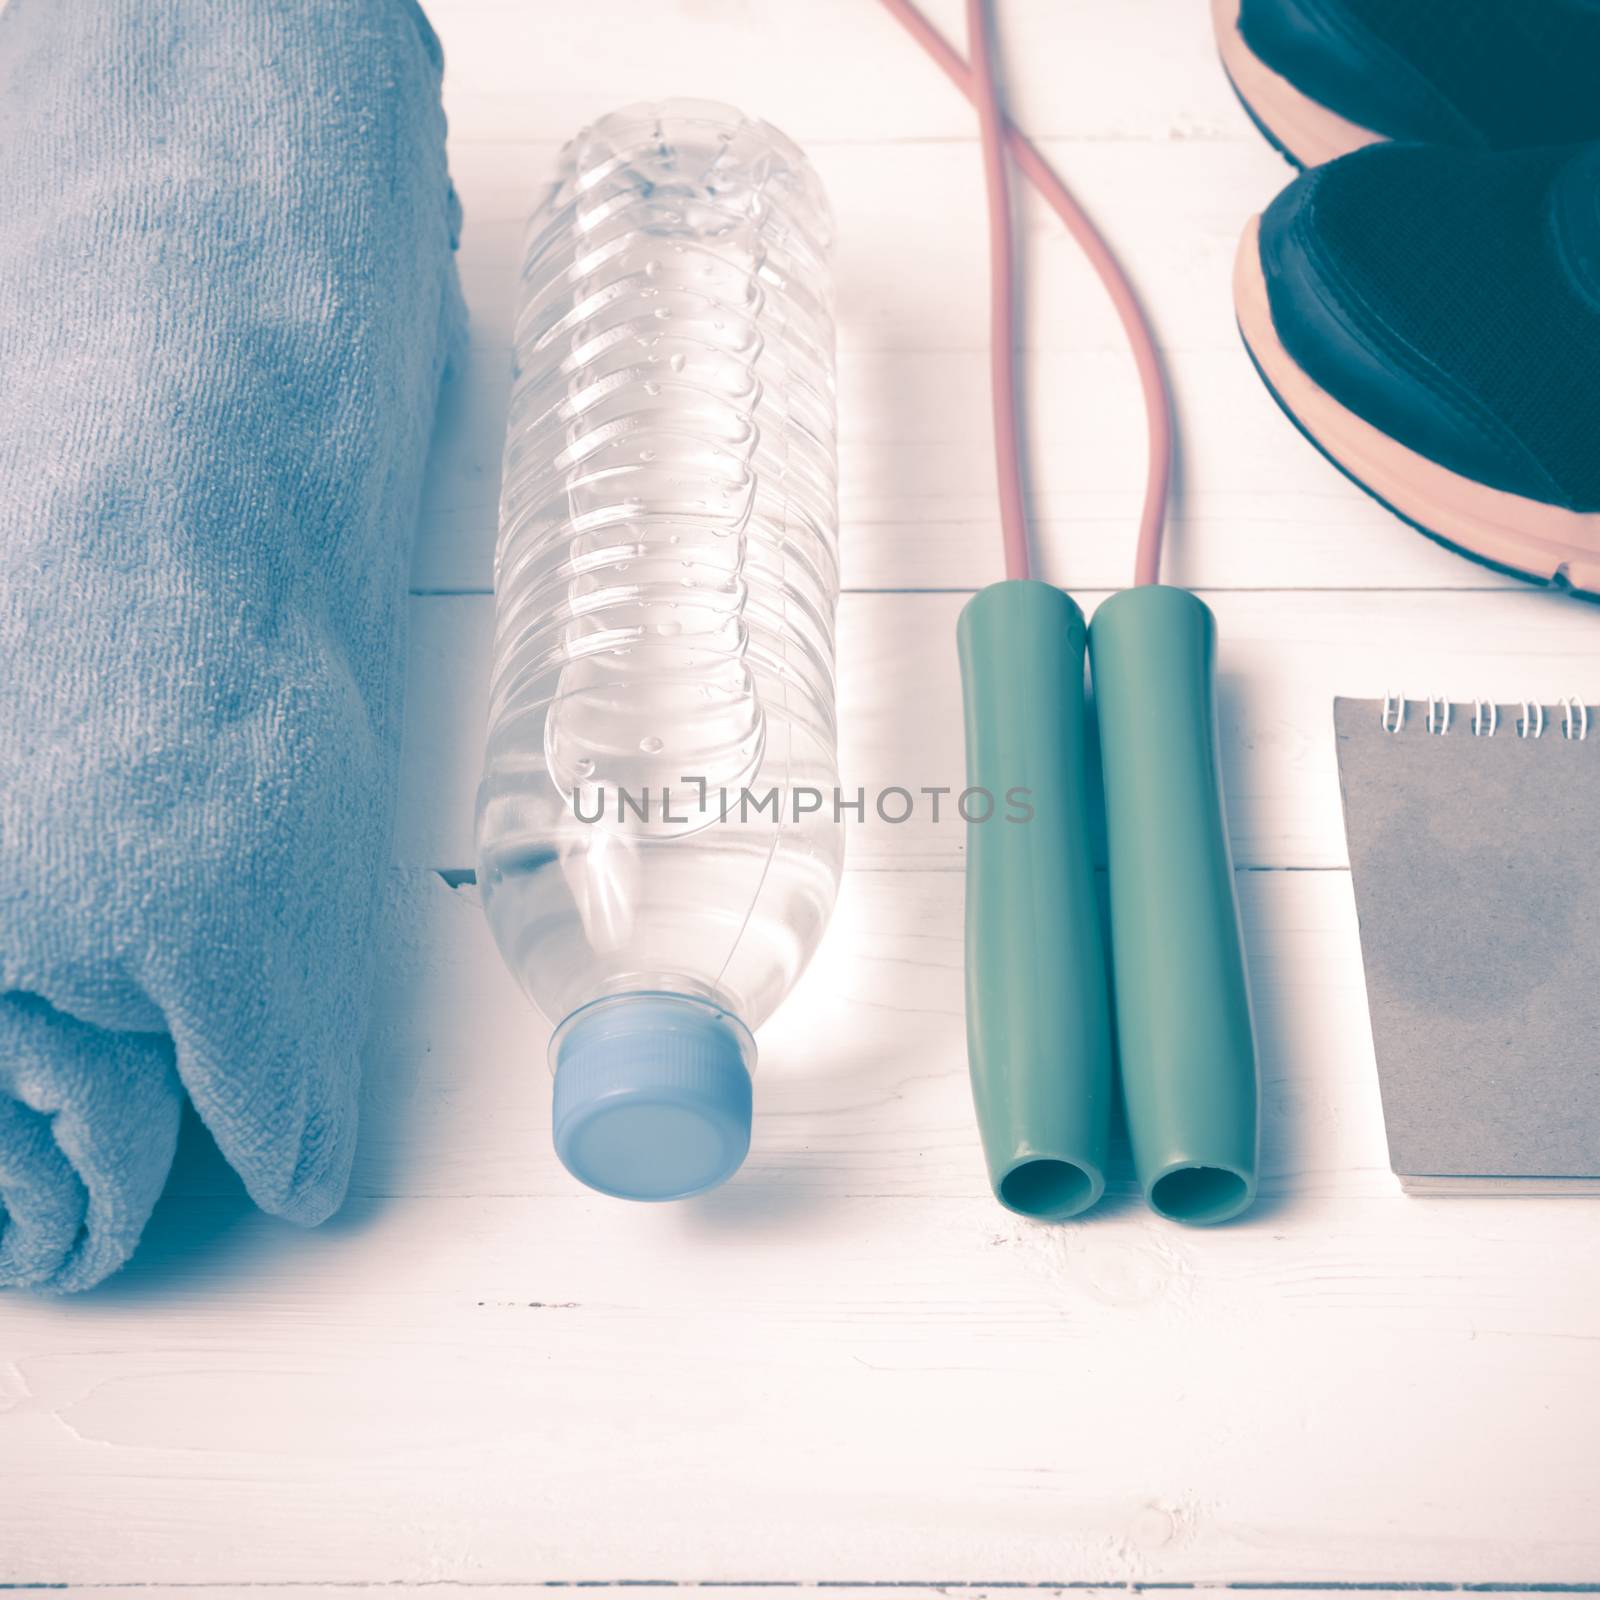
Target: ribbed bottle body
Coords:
[[658, 809]]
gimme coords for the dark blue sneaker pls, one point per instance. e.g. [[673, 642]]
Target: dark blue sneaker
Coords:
[[1430, 318], [1324, 77]]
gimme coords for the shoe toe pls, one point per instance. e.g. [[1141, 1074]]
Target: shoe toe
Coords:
[[1366, 358], [1326, 49]]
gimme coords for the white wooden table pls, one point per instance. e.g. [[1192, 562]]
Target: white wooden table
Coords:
[[850, 1368]]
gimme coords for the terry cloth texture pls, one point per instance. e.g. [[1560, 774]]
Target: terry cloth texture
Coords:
[[227, 293]]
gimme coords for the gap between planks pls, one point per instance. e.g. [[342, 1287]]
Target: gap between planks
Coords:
[[834, 1586], [480, 591]]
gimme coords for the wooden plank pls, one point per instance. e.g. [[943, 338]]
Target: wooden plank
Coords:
[[1282, 659], [1260, 508], [897, 1590], [907, 276], [1257, 507], [862, 1085], [832, 70], [849, 1364]]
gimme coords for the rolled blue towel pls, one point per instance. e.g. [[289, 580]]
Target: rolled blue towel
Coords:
[[227, 294]]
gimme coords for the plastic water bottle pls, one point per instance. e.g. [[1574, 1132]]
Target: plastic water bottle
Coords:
[[659, 829]]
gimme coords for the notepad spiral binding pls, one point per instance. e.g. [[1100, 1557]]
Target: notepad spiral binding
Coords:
[[1571, 715]]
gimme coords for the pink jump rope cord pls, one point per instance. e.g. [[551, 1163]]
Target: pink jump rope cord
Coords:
[[977, 83], [1002, 293]]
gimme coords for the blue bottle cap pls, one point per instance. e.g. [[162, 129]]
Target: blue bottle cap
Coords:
[[652, 1098]]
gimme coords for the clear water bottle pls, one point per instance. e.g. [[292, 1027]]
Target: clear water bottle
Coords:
[[659, 833]]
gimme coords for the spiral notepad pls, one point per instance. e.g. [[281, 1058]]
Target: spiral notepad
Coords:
[[1472, 831]]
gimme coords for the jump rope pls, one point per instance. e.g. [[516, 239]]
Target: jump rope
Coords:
[[1054, 1020]]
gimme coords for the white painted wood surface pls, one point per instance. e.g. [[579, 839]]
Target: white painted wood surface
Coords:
[[849, 1367]]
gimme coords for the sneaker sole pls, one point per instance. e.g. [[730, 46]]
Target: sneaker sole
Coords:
[[1528, 538], [1302, 129]]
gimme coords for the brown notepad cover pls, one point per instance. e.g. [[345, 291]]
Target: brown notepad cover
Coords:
[[1476, 864]]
